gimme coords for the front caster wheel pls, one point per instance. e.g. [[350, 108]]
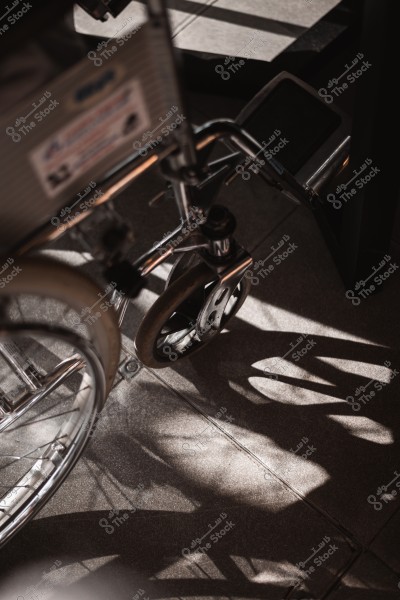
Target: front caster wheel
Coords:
[[168, 331]]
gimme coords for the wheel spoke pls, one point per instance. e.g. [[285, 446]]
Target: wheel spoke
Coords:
[[27, 455], [35, 421], [180, 339]]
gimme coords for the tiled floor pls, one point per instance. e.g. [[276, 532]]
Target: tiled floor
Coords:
[[249, 29], [207, 459]]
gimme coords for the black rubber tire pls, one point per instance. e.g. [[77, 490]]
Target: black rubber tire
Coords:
[[180, 290]]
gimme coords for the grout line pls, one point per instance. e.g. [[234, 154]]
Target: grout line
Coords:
[[351, 564], [394, 514], [383, 562], [274, 228], [338, 578], [191, 18]]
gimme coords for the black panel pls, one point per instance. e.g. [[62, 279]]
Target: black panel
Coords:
[[303, 119]]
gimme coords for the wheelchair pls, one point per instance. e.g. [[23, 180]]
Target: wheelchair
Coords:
[[115, 115]]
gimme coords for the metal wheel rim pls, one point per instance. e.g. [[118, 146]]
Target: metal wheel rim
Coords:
[[187, 338], [46, 481]]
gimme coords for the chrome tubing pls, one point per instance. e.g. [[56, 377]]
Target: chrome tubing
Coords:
[[205, 135]]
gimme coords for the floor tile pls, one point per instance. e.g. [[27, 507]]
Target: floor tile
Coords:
[[367, 579], [386, 543]]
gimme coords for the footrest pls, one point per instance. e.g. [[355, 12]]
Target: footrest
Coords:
[[296, 127]]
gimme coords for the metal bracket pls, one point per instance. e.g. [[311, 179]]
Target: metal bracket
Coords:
[[129, 369], [210, 318]]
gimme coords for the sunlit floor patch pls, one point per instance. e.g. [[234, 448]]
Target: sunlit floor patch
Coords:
[[207, 456], [70, 257], [371, 372], [287, 393], [365, 429]]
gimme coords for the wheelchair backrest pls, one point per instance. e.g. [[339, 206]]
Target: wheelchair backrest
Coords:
[[120, 100]]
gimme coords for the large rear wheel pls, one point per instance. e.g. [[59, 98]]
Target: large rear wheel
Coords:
[[59, 352]]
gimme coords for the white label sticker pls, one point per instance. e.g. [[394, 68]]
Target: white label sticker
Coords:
[[84, 142]]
